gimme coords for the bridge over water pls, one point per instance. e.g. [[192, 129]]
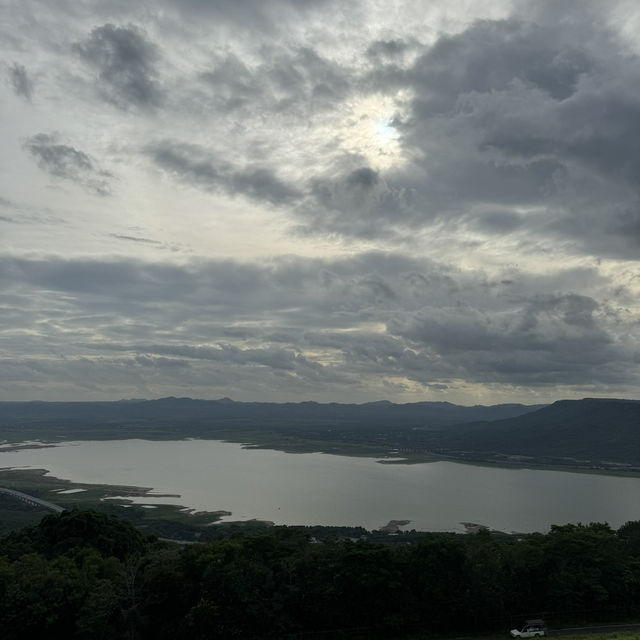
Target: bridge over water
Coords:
[[32, 500]]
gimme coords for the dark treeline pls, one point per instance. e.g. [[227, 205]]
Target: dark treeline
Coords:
[[84, 574]]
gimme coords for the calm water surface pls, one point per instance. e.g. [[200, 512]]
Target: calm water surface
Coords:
[[317, 488]]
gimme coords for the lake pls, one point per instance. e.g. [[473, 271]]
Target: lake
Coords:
[[317, 488]]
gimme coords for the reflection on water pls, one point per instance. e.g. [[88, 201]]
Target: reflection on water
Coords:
[[316, 488]]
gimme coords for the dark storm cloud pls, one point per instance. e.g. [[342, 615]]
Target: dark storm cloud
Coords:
[[365, 178], [434, 323], [125, 61], [533, 325], [538, 101], [506, 115], [161, 363], [387, 49], [286, 81], [541, 337], [20, 81], [497, 221], [491, 56], [7, 205], [68, 163], [117, 236], [202, 168], [362, 202]]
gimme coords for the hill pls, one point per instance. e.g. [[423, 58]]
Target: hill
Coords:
[[592, 429], [589, 433]]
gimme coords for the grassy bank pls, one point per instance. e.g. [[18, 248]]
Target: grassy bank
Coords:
[[164, 520]]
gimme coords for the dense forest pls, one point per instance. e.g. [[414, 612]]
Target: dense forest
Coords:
[[84, 574]]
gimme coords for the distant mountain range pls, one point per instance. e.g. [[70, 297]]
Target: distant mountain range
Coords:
[[379, 414], [588, 433]]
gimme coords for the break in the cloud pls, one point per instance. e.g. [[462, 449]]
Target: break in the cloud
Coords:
[[529, 127], [321, 200]]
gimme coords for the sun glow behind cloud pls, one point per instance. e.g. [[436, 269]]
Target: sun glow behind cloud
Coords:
[[367, 129]]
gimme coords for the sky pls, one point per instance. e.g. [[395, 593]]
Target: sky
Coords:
[[287, 200]]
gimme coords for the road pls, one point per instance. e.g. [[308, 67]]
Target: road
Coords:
[[583, 631]]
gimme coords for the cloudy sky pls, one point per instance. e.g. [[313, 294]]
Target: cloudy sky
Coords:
[[317, 199]]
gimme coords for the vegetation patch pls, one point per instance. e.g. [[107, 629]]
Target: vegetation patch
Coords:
[[84, 574]]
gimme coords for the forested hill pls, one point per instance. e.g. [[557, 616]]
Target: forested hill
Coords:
[[588, 429], [83, 574]]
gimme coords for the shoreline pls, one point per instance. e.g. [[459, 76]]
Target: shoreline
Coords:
[[381, 456]]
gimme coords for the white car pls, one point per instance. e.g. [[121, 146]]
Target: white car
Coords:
[[531, 629]]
